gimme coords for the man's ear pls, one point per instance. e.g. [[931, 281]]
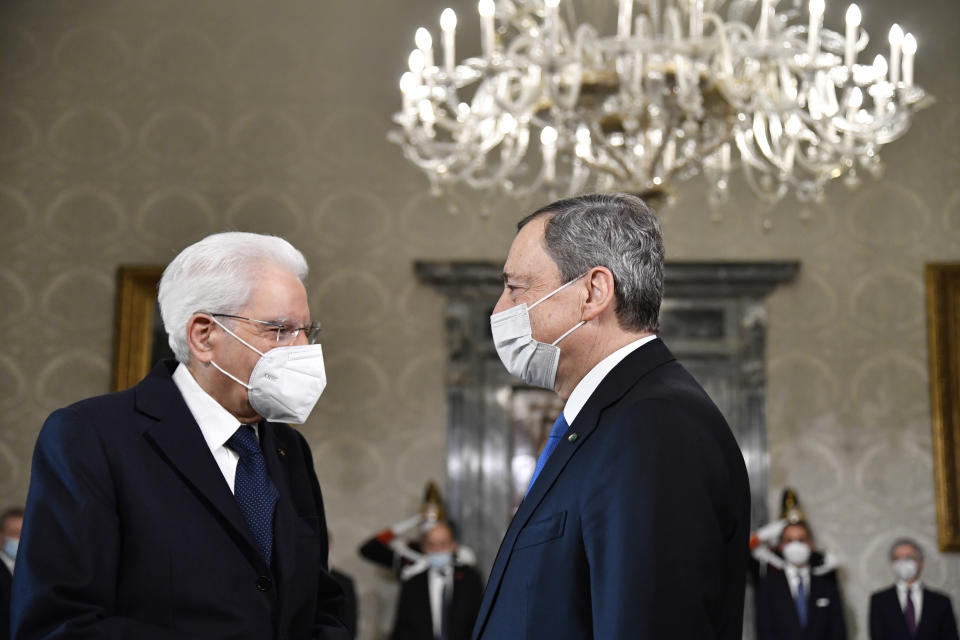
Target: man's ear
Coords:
[[200, 337], [600, 293]]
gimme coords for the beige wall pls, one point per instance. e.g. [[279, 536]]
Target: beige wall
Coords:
[[129, 129]]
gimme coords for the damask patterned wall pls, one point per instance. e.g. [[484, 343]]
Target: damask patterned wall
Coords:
[[130, 129]]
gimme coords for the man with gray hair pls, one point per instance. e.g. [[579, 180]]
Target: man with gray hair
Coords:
[[909, 610], [635, 524], [183, 508]]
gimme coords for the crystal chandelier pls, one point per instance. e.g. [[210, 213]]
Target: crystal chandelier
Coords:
[[682, 87]]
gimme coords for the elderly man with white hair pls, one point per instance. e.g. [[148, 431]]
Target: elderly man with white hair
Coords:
[[184, 507]]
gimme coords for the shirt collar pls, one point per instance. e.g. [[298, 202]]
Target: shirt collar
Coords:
[[216, 423], [589, 383], [798, 572], [902, 586]]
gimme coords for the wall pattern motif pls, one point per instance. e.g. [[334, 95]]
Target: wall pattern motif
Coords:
[[128, 130]]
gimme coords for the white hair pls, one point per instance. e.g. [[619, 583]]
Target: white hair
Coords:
[[216, 275]]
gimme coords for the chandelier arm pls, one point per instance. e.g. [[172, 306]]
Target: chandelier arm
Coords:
[[721, 34], [702, 153], [614, 153]]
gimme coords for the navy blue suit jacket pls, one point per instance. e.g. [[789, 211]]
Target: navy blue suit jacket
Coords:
[[777, 617], [887, 621], [131, 531], [637, 528]]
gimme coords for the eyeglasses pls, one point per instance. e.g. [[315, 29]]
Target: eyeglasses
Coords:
[[284, 335]]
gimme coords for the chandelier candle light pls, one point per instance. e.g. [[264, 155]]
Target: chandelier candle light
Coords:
[[679, 89]]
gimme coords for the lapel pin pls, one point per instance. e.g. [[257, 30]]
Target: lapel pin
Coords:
[[572, 437], [281, 451]]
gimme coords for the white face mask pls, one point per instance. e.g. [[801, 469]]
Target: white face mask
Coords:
[[286, 382], [905, 569], [797, 553], [533, 362], [439, 559]]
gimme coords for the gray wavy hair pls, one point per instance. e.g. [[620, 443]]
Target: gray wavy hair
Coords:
[[617, 231], [909, 542], [216, 275]]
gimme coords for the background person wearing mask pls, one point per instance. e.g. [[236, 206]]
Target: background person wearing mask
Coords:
[[185, 507], [799, 600], [440, 593], [908, 610], [10, 524]]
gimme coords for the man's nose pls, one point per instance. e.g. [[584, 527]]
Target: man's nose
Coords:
[[503, 302]]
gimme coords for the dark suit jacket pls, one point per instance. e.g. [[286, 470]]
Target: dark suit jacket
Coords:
[[5, 583], [777, 617], [132, 533], [348, 607], [887, 621], [414, 620], [636, 529]]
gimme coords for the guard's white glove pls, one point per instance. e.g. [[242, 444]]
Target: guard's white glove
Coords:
[[404, 526], [770, 533]]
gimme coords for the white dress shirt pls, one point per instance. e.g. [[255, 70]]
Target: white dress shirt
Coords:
[[585, 388], [7, 560], [436, 579], [216, 423], [794, 576], [916, 594]]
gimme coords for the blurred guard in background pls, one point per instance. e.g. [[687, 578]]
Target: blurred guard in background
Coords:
[[798, 595], [440, 590]]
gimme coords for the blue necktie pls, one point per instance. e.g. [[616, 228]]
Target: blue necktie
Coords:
[[253, 489], [801, 603], [559, 427]]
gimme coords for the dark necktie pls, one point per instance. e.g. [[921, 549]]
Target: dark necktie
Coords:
[[911, 615], [559, 427], [253, 489], [801, 602], [446, 601]]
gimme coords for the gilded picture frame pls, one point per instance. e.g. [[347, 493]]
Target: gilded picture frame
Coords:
[[943, 331], [139, 339]]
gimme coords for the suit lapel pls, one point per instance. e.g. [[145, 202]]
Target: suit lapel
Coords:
[[177, 438], [624, 376], [896, 611], [783, 586], [284, 531]]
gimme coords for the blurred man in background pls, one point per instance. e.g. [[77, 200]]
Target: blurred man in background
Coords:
[[908, 610]]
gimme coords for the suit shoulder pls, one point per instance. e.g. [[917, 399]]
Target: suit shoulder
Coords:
[[882, 593], [96, 413], [106, 403], [936, 596]]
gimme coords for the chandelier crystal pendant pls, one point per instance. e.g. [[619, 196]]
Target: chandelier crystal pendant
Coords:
[[678, 90]]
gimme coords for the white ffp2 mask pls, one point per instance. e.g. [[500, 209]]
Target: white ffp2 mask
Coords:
[[797, 553], [286, 382], [906, 569], [533, 362]]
